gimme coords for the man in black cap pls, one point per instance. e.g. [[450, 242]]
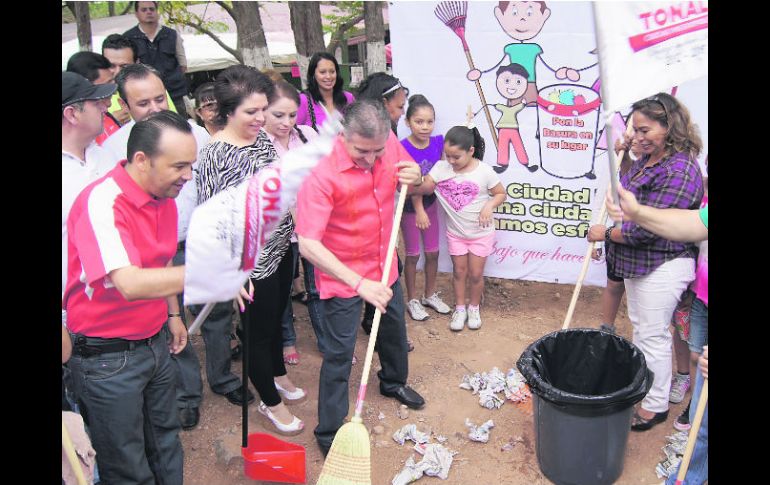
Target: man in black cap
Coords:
[[82, 111]]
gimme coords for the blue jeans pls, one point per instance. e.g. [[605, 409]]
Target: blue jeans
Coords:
[[216, 331], [128, 399], [189, 388], [340, 329], [699, 326], [698, 471], [287, 319], [315, 306]]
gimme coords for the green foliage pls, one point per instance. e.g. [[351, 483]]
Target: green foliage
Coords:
[[346, 12], [98, 10], [176, 13]]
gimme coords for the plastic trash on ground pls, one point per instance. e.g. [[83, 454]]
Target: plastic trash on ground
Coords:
[[516, 388], [488, 384], [436, 462], [410, 432], [674, 451], [479, 433]]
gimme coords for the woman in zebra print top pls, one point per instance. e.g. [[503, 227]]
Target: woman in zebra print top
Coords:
[[236, 152]]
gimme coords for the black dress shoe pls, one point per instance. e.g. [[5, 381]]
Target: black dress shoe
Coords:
[[189, 417], [406, 395], [500, 168], [236, 396], [638, 423]]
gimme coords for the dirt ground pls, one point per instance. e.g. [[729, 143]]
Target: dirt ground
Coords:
[[514, 314]]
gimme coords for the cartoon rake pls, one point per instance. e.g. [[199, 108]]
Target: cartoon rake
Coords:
[[453, 15]]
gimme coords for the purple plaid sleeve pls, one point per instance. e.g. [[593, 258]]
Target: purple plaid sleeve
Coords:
[[674, 182]]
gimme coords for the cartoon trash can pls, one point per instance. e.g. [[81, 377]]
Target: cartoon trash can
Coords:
[[567, 126]]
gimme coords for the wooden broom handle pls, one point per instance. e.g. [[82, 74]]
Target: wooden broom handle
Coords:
[[692, 438], [378, 313], [587, 258], [69, 450]]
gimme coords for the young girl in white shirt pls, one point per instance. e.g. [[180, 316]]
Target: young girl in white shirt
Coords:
[[468, 191]]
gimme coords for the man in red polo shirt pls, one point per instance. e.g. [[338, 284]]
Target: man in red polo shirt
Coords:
[[121, 290], [345, 213]]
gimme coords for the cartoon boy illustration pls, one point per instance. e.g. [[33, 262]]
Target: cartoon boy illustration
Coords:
[[522, 21], [512, 85]]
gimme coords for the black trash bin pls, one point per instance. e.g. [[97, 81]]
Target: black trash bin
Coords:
[[584, 384]]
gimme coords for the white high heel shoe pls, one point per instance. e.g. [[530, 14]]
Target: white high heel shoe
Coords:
[[295, 427], [296, 395]]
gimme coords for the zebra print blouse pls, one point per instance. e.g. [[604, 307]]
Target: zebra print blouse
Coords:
[[222, 165]]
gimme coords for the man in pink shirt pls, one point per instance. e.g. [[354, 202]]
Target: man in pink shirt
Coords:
[[345, 213], [122, 311]]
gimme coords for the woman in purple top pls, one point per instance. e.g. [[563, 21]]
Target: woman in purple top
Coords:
[[656, 271], [324, 88]]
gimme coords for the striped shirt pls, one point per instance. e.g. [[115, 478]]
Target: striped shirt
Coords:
[[222, 165], [113, 224], [675, 181]]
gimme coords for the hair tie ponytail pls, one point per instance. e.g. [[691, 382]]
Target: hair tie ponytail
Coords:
[[478, 144]]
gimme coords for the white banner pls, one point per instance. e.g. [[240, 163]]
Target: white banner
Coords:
[[649, 47], [556, 179]]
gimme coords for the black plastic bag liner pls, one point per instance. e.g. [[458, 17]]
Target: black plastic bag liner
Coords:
[[586, 372]]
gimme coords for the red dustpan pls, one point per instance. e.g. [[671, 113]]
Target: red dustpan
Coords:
[[265, 457]]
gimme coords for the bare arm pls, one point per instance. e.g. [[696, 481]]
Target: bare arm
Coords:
[[136, 283], [372, 291], [681, 225], [427, 186], [498, 197], [66, 345]]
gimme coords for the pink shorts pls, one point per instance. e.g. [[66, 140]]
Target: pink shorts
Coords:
[[412, 233], [481, 247]]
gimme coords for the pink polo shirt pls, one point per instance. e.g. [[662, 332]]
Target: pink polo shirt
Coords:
[[350, 210], [114, 223]]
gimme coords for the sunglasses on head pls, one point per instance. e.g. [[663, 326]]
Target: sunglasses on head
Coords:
[[661, 101]]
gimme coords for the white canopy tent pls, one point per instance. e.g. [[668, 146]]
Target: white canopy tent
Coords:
[[203, 53]]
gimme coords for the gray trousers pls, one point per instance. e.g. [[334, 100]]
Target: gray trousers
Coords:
[[340, 326], [189, 387], [128, 399], [216, 331]]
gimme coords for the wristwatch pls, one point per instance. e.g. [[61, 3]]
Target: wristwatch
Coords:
[[607, 234]]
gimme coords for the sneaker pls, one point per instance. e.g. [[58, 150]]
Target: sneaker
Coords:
[[474, 318], [458, 320], [434, 301], [416, 311], [680, 383], [682, 423]]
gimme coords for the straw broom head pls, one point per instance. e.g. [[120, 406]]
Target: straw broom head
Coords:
[[348, 461]]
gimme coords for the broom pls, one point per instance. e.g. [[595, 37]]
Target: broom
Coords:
[[587, 257], [704, 396], [453, 15], [349, 458]]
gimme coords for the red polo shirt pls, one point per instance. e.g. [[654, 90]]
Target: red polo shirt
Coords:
[[350, 210], [114, 223]]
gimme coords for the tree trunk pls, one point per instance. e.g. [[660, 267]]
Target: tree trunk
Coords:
[[375, 37], [110, 9], [251, 35], [128, 7], [339, 38], [83, 19], [308, 33]]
